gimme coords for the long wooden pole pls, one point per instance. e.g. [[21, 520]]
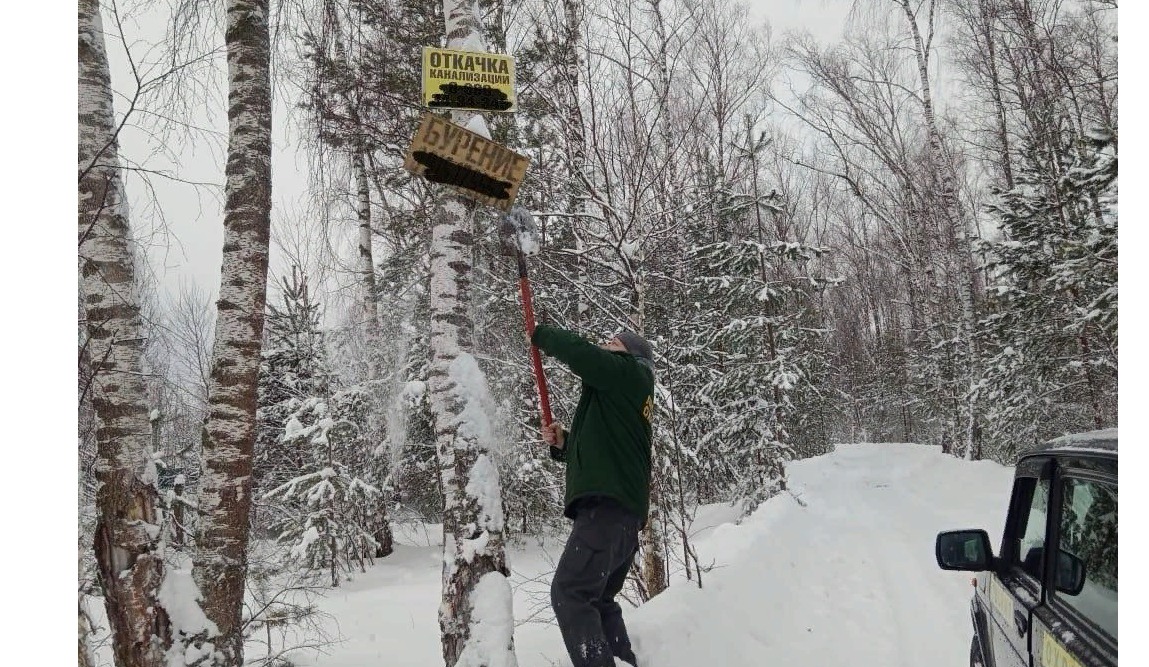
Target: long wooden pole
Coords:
[[536, 358]]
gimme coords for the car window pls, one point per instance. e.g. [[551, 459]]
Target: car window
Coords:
[[1029, 555], [1089, 532]]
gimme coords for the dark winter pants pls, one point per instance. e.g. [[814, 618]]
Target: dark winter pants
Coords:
[[590, 573]]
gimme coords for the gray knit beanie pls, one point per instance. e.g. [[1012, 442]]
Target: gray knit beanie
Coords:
[[635, 344]]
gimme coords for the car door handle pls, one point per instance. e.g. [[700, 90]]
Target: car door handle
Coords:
[[1022, 621]]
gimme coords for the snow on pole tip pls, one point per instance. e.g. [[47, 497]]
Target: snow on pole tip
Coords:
[[526, 233]]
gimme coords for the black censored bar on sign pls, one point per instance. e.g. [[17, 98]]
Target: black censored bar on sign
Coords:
[[455, 96], [446, 172]]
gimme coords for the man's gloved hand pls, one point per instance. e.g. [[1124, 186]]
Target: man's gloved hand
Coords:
[[553, 435]]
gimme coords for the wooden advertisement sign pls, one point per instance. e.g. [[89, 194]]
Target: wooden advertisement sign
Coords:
[[472, 80], [443, 152]]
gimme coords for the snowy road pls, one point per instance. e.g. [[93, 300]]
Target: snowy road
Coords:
[[849, 579]]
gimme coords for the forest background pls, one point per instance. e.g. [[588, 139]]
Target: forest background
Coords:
[[901, 231]]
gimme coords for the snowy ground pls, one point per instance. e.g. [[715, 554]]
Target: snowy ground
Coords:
[[848, 579]]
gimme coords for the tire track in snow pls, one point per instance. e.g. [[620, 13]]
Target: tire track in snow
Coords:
[[932, 618], [891, 506], [850, 579]]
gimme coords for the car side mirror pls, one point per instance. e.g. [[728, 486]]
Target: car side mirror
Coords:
[[1070, 573], [965, 550]]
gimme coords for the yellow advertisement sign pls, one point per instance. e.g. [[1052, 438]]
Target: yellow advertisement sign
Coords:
[[443, 152], [472, 80]]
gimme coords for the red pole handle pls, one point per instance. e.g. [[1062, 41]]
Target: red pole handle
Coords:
[[536, 358], [544, 399]]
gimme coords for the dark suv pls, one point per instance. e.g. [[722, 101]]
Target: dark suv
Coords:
[[1050, 598]]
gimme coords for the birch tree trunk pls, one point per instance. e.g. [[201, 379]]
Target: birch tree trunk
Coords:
[[127, 541], [84, 628], [652, 537], [574, 131], [987, 15], [957, 231], [365, 262], [475, 618], [372, 332], [367, 259], [220, 564]]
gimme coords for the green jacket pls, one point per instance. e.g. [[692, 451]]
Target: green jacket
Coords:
[[607, 450]]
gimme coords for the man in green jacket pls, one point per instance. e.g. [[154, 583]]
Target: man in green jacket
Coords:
[[607, 454]]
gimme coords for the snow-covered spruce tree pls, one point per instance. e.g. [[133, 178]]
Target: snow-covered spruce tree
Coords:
[[686, 312], [415, 483], [326, 508], [1052, 329], [220, 563], [293, 368], [362, 405], [343, 108], [743, 325], [310, 462], [765, 294], [399, 439], [129, 553], [684, 476]]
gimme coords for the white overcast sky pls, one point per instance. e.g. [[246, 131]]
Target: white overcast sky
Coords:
[[188, 247]]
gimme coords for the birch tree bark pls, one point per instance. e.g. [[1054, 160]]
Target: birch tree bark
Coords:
[[370, 303], [957, 234], [986, 21], [365, 262], [652, 537], [220, 564], [475, 618], [84, 655], [127, 543], [574, 135], [372, 332]]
